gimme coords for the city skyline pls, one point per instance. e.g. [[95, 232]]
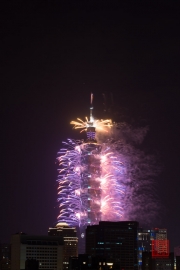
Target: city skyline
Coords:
[[54, 57]]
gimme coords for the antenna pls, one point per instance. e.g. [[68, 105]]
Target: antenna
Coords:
[[90, 128], [91, 108]]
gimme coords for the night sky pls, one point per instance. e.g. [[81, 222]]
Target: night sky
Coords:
[[53, 55]]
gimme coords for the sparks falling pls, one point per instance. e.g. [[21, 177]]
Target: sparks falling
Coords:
[[104, 177]]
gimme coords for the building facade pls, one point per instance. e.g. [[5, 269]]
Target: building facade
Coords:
[[154, 241], [150, 263], [47, 250], [69, 235], [177, 263], [5, 256], [177, 257], [115, 243]]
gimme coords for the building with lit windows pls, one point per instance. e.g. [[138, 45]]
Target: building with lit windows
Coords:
[[144, 244], [69, 235], [85, 261], [163, 263], [115, 242], [150, 263], [47, 250], [154, 241], [177, 258], [5, 256], [177, 263]]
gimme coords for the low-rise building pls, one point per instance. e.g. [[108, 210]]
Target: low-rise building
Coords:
[[47, 250]]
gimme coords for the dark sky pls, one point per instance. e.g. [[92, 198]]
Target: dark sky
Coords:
[[53, 54]]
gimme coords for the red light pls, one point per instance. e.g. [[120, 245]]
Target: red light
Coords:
[[160, 248]]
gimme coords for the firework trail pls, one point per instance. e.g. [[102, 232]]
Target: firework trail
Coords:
[[106, 177]]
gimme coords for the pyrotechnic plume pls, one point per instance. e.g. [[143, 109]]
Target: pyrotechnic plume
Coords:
[[105, 177]]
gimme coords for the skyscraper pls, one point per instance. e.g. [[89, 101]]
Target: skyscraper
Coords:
[[80, 187]]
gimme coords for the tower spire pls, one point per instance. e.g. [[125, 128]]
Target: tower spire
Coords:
[[91, 108], [91, 129]]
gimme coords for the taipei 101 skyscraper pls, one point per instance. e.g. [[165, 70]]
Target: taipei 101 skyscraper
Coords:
[[104, 177], [90, 195], [80, 178]]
